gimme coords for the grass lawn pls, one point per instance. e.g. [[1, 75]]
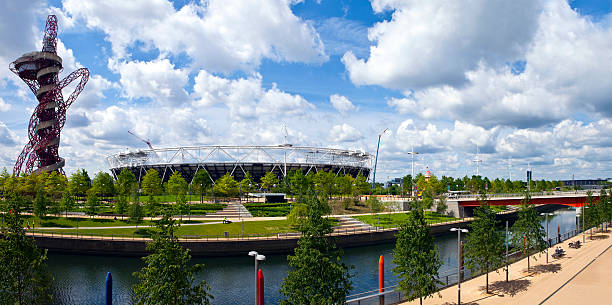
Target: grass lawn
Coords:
[[270, 227], [394, 220], [70, 222]]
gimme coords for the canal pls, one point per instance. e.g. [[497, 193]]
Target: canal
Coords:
[[79, 279]]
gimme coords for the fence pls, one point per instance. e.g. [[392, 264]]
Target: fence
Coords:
[[219, 237], [449, 278]]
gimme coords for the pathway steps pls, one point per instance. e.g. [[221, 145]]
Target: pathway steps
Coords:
[[349, 223], [232, 210]]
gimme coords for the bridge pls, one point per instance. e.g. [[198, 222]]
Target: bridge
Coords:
[[463, 205]]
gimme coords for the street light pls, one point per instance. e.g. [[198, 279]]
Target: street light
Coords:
[[258, 257], [458, 261], [412, 153], [547, 238]]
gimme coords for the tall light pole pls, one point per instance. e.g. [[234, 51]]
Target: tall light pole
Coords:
[[412, 153], [258, 257], [458, 261], [547, 238], [376, 160], [477, 161]]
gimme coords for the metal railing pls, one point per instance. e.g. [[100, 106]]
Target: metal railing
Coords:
[[449, 278]]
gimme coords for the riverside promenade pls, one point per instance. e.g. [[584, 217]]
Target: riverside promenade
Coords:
[[580, 277]]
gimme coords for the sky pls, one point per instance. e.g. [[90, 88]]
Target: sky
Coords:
[[524, 82]]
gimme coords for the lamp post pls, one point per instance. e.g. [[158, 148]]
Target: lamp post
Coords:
[[547, 238], [412, 153], [258, 257], [458, 261], [507, 258], [376, 160]]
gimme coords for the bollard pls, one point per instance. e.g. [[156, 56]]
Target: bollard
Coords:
[[109, 289], [260, 287], [381, 279]]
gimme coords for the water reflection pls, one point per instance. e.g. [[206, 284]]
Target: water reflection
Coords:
[[79, 279]]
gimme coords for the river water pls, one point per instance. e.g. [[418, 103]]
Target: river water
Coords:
[[79, 279]]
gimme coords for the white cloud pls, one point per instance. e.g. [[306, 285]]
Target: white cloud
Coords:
[[435, 42], [562, 76], [218, 35], [344, 133], [157, 80], [246, 98], [341, 103], [4, 107]]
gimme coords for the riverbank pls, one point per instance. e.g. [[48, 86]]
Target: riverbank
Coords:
[[579, 277], [225, 245]]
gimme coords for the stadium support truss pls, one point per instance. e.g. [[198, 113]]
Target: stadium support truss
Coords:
[[237, 160]]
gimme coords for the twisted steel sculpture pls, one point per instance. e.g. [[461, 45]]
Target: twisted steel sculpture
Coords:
[[39, 70]]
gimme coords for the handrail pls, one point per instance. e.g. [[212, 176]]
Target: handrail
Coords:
[[512, 257]]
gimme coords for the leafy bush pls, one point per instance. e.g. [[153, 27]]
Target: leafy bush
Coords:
[[268, 209]]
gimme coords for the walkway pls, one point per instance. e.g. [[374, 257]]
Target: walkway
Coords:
[[580, 277], [232, 210]]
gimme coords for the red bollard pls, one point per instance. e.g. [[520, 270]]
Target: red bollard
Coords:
[[381, 279], [260, 288]]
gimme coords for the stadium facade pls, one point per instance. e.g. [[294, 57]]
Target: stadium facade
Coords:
[[238, 160]]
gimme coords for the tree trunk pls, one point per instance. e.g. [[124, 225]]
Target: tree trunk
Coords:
[[421, 300], [527, 262], [487, 285]]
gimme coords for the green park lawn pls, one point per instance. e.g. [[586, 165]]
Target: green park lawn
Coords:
[[270, 227], [394, 220], [70, 222]]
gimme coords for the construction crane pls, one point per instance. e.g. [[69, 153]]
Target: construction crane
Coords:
[[141, 139]]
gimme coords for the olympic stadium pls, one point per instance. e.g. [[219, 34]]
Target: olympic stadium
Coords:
[[238, 160]]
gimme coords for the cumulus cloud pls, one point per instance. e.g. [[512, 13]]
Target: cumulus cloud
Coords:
[[429, 43], [218, 35], [157, 80], [246, 98], [7, 137], [545, 92], [344, 133], [341, 103]]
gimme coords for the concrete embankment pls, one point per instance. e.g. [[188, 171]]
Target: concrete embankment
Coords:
[[229, 246]]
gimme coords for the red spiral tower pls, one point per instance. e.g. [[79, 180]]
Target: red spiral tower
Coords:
[[40, 70]]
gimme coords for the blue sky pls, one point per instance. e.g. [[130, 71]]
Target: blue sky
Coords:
[[520, 80]]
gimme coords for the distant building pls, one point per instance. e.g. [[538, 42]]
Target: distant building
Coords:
[[394, 181], [587, 184]]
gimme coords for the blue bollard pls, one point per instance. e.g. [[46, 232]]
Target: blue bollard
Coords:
[[109, 289]]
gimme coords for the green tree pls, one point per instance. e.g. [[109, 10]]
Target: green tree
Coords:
[[375, 204], [269, 181], [441, 205], [362, 186], [177, 185], [92, 203], [416, 259], [324, 183], [135, 212], [484, 245], [200, 183], [79, 183], [226, 185], [151, 183], [168, 277], [67, 202], [55, 184], [151, 206], [121, 205], [316, 274], [126, 182], [24, 278], [527, 232], [40, 203], [103, 185], [247, 184], [299, 182]]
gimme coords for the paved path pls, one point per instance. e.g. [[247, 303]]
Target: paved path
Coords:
[[125, 227], [580, 277]]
